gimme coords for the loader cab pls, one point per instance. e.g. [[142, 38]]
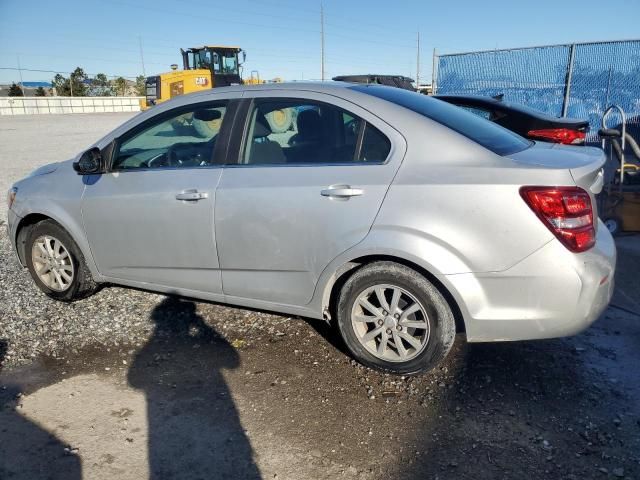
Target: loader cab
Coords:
[[223, 63]]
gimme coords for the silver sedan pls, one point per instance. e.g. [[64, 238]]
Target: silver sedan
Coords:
[[397, 217]]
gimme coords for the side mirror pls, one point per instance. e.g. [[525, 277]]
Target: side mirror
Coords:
[[244, 56], [90, 162]]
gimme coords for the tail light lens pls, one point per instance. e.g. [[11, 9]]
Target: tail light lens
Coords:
[[566, 211], [565, 136]]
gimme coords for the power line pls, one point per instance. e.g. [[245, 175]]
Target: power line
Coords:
[[60, 71]]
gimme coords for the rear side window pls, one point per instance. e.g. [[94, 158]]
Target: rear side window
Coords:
[[298, 131], [477, 111], [491, 136]]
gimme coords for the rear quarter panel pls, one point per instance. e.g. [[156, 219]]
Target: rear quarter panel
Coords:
[[461, 205]]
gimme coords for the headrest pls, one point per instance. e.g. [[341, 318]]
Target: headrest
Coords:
[[207, 115], [309, 122], [261, 128]]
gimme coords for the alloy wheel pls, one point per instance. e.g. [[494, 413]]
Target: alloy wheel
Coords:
[[390, 323], [52, 263]]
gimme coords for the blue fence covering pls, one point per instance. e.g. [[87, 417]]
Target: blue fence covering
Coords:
[[596, 75]]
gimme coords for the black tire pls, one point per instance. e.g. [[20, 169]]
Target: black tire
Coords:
[[439, 315], [82, 285]]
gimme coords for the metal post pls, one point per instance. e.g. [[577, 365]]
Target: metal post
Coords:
[[20, 72], [434, 72], [606, 102], [567, 86], [321, 41], [141, 56], [418, 65]]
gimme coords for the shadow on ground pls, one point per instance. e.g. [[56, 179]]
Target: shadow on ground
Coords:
[[194, 428], [29, 452]]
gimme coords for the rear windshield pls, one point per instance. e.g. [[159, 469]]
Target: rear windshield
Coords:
[[488, 134]]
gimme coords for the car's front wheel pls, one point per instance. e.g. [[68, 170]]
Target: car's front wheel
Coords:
[[56, 263], [392, 318]]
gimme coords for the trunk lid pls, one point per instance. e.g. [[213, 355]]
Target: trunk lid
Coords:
[[584, 163]]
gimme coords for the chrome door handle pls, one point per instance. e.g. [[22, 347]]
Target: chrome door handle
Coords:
[[192, 195], [341, 191]]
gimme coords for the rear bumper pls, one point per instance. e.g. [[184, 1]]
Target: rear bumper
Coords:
[[551, 293]]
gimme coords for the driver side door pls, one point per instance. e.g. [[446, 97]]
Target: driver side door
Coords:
[[150, 218]]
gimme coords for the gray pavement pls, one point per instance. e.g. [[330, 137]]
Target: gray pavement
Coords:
[[29, 141]]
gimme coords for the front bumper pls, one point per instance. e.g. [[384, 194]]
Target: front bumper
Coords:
[[13, 220], [551, 293]]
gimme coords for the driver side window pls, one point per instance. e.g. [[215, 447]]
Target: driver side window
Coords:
[[184, 139]]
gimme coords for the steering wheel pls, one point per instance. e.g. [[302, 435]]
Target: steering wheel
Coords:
[[172, 157], [157, 161]]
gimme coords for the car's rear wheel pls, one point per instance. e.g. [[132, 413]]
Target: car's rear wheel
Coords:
[[56, 263], [392, 318]]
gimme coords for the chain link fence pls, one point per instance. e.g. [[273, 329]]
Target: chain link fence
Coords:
[[576, 80]]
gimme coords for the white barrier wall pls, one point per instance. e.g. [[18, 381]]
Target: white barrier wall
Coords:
[[46, 105]]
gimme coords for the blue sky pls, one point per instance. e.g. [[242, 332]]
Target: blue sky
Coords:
[[282, 37]]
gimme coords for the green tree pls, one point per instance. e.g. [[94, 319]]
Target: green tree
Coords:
[[15, 91], [100, 86], [72, 86], [120, 85], [40, 92], [141, 88]]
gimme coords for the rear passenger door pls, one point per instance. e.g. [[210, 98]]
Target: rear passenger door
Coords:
[[304, 185]]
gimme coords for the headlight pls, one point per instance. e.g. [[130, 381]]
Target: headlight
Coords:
[[11, 196]]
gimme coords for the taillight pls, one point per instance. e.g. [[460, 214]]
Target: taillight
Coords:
[[558, 135], [566, 211]]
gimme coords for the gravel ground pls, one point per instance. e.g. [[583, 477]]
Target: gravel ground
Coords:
[[34, 325], [565, 408]]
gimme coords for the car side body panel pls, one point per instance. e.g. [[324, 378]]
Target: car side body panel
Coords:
[[446, 204], [56, 195], [276, 231]]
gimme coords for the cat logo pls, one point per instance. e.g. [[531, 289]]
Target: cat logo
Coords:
[[202, 81]]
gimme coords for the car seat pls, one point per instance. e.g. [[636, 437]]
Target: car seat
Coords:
[[263, 150], [309, 128]]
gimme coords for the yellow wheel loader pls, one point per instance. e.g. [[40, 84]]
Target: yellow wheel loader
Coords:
[[204, 67]]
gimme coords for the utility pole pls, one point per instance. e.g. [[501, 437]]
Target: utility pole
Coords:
[[20, 72], [321, 41], [141, 56], [418, 65], [434, 73]]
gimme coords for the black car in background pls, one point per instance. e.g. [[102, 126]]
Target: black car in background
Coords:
[[528, 122]]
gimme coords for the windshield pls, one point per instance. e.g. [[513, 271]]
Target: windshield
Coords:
[[229, 62], [218, 62], [484, 132], [200, 59]]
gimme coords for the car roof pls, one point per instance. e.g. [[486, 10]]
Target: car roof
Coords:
[[339, 89], [301, 85]]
